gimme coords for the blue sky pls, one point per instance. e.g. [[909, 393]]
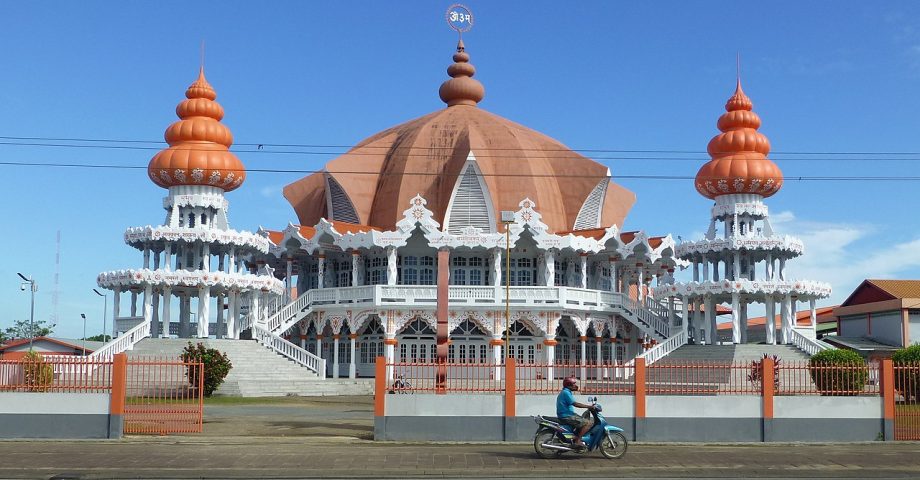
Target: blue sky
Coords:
[[824, 77]]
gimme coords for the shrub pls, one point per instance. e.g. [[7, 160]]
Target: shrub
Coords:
[[907, 380], [849, 379], [37, 374], [216, 366], [757, 371]]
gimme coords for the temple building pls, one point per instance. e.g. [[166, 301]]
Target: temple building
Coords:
[[742, 260], [194, 255]]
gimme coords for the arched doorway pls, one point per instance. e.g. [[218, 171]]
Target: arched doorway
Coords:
[[370, 346], [469, 352], [417, 343]]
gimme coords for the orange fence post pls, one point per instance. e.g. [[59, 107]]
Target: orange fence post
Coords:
[[640, 388], [887, 378], [380, 386], [117, 395], [510, 388], [767, 390]]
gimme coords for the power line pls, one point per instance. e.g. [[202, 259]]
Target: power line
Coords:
[[441, 174], [159, 144]]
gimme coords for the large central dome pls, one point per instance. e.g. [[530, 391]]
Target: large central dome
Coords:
[[468, 164]]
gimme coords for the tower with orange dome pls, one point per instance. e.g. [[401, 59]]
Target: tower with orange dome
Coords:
[[742, 260], [193, 259]]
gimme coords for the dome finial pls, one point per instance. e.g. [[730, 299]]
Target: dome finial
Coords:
[[461, 89]]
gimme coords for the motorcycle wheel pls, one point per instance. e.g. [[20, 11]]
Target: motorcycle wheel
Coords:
[[614, 446], [545, 437]]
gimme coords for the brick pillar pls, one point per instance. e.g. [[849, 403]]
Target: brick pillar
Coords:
[[443, 291], [639, 430]]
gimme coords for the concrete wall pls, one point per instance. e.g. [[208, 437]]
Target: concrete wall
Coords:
[[728, 418], [57, 415], [886, 328]]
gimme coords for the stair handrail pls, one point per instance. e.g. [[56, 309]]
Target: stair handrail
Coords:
[[664, 348], [275, 321], [123, 342], [290, 351], [808, 345], [653, 321]]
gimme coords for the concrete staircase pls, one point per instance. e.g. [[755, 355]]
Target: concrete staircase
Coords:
[[257, 371], [740, 355]]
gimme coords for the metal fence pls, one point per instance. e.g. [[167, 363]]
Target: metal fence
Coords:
[[56, 374], [698, 378], [907, 402], [164, 396]]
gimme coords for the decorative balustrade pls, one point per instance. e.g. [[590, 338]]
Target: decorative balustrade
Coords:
[[664, 348], [808, 345], [124, 342], [289, 350]]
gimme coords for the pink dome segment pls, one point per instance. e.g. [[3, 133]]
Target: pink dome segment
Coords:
[[199, 145], [739, 154]]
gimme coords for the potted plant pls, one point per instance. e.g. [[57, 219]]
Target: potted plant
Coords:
[[756, 374]]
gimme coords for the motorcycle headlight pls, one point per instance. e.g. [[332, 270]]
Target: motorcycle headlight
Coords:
[[598, 408]]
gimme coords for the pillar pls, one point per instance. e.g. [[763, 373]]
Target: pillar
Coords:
[[813, 315], [148, 304], [744, 321], [165, 317], [705, 269], [496, 344], [255, 311], [715, 270], [146, 257], [352, 367], [391, 266], [614, 281], [583, 271], [204, 303], [784, 316], [320, 271], [155, 318], [769, 272], [133, 303], [183, 317], [116, 305], [736, 317], [640, 285], [685, 310], [497, 267], [736, 265], [319, 346], [288, 273], [549, 271], [233, 305], [599, 358], [220, 318], [355, 268], [167, 257], [583, 373], [549, 347], [696, 272], [335, 356], [709, 310], [782, 269], [770, 323]]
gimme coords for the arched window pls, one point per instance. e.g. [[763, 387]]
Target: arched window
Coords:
[[469, 344]]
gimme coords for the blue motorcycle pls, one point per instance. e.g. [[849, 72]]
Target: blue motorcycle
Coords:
[[553, 438]]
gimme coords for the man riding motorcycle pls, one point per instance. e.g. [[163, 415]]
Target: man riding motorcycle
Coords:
[[565, 403]]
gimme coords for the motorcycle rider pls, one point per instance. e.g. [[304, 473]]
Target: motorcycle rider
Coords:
[[565, 402]]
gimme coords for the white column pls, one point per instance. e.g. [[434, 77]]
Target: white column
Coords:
[[614, 281], [770, 323], [813, 315], [784, 315], [769, 272], [204, 303], [335, 356], [584, 347], [736, 318], [148, 304], [709, 310], [391, 266], [352, 367], [599, 358], [389, 351], [696, 271], [549, 271], [164, 317], [116, 303], [497, 267], [167, 257], [715, 270], [705, 269], [220, 318], [497, 343], [640, 284], [685, 310], [793, 316], [736, 265], [320, 270], [206, 257], [583, 271], [319, 350], [782, 269], [549, 346], [255, 311], [232, 266], [146, 257], [355, 268], [744, 321], [288, 274], [133, 304], [233, 304]]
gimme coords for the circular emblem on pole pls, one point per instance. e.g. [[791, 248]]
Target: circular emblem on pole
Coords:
[[459, 17]]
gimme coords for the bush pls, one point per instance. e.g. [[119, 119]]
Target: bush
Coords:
[[757, 371], [849, 379], [907, 380], [37, 374], [216, 366]]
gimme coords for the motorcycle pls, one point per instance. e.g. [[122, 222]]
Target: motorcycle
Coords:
[[554, 439]]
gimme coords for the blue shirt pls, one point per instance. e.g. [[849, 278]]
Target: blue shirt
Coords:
[[565, 404]]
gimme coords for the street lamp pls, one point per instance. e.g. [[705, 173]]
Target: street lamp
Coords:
[[507, 220], [105, 309], [33, 288], [83, 315]]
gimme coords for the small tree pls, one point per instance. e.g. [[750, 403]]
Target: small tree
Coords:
[[22, 329], [756, 375], [907, 378], [37, 374], [838, 372], [216, 366]]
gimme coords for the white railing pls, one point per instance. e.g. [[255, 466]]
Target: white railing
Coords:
[[289, 350], [664, 348], [654, 323], [124, 342], [808, 345]]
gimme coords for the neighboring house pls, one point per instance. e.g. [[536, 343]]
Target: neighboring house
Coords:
[[879, 317], [827, 325], [15, 349]]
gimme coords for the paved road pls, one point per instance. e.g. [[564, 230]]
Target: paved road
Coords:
[[250, 457], [329, 437]]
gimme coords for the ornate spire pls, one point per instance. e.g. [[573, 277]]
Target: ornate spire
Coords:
[[199, 144], [461, 89], [739, 154]]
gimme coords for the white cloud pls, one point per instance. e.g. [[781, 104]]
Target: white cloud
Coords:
[[270, 191]]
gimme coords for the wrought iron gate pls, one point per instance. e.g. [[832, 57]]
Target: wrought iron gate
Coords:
[[163, 396]]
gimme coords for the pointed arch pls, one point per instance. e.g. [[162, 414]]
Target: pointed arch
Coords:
[[470, 202], [590, 214]]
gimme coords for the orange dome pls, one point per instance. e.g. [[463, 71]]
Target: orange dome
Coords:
[[739, 155], [427, 156], [199, 145]]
